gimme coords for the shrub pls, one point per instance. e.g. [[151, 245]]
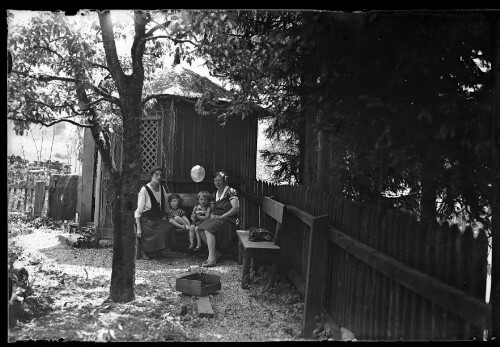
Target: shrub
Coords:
[[24, 303], [89, 237]]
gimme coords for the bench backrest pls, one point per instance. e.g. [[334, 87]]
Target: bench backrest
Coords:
[[189, 200], [273, 209], [276, 211]]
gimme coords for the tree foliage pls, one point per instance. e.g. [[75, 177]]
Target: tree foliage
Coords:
[[406, 94]]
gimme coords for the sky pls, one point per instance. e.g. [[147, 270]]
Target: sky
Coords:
[[38, 141]]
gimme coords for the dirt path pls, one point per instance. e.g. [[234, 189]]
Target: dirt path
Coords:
[[76, 283]]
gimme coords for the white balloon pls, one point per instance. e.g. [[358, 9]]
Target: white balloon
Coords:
[[197, 173]]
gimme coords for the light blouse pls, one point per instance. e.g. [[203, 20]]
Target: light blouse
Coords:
[[144, 201]]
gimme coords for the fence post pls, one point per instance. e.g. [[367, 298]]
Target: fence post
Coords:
[[39, 197], [25, 201], [315, 277]]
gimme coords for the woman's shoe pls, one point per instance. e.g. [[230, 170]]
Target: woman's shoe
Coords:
[[149, 255], [197, 248], [209, 264], [191, 248]]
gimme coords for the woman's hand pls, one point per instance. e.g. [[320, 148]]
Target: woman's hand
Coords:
[[139, 232]]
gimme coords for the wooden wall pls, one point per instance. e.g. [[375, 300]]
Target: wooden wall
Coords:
[[202, 140]]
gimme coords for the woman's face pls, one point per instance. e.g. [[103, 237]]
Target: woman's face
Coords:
[[219, 182], [156, 177]]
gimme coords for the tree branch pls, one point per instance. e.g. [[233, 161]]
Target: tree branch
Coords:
[[50, 50], [108, 41], [38, 121], [101, 66], [141, 18], [176, 41], [157, 27], [46, 78]]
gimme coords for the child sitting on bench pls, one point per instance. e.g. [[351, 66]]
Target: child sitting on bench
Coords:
[[175, 213], [199, 214]]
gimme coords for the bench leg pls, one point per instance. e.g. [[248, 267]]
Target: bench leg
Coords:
[[253, 267], [274, 271], [240, 253], [245, 279]]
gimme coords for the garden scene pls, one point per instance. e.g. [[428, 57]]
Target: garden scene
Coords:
[[253, 175], [65, 295]]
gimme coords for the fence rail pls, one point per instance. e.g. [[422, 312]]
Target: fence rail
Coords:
[[386, 276]]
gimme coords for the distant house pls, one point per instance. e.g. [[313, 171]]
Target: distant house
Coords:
[[176, 137]]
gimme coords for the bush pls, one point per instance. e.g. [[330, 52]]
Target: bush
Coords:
[[89, 237], [24, 303]]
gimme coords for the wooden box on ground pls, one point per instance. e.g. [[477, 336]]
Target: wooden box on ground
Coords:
[[199, 284]]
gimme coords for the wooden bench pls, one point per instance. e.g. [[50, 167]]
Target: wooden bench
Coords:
[[248, 249], [189, 201]]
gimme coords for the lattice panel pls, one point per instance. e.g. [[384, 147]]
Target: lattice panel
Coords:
[[149, 144]]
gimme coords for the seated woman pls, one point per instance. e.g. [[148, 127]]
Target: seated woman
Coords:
[[152, 226], [219, 228]]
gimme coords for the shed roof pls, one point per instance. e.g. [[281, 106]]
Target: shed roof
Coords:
[[180, 81]]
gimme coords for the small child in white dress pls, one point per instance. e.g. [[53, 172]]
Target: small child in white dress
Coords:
[[199, 214]]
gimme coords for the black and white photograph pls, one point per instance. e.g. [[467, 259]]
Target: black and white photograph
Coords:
[[253, 175]]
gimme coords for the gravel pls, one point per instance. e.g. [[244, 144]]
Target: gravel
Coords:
[[77, 280]]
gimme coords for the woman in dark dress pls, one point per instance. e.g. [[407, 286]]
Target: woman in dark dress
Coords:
[[218, 230], [152, 226]]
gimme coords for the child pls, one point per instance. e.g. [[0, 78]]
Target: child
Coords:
[[175, 213], [199, 214]]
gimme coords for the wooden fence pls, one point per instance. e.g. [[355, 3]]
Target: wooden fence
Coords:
[[385, 275], [27, 196]]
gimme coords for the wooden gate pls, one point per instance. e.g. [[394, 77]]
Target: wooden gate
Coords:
[[62, 197]]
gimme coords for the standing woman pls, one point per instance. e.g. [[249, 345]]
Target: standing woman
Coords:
[[217, 230], [151, 222]]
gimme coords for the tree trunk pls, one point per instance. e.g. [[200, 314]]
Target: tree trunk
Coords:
[[336, 166], [301, 129], [495, 205], [428, 195], [127, 182], [308, 112], [123, 265], [310, 151], [323, 160]]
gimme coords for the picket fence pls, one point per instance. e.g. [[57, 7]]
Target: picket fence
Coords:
[[26, 194]]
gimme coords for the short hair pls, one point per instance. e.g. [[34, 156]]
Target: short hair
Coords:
[[154, 169], [203, 194], [175, 196], [223, 174]]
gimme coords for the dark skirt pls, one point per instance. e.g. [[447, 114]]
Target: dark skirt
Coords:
[[156, 234], [222, 230]]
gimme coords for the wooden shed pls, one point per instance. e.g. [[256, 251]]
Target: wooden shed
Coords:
[[176, 137]]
